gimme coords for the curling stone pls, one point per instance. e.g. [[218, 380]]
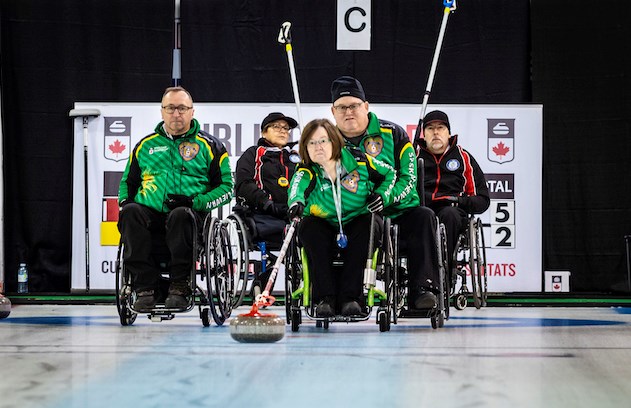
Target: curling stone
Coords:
[[5, 307], [256, 327]]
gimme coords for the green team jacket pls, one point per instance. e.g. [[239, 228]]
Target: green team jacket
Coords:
[[195, 164], [360, 176], [389, 143]]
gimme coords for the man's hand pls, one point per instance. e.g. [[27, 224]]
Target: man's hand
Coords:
[[174, 201], [295, 210], [276, 209], [374, 202]]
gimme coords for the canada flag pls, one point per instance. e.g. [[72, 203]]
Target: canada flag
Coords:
[[501, 140]]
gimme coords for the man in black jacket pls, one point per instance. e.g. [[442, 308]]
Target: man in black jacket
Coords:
[[454, 184], [262, 179]]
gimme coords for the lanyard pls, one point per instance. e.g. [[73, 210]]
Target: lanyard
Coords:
[[336, 190]]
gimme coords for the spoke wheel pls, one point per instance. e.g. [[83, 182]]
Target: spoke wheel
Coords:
[[474, 267], [217, 277], [239, 255], [124, 293]]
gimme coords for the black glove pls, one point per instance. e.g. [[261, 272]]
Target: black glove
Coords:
[[174, 201], [276, 209], [295, 210], [374, 202], [452, 199]]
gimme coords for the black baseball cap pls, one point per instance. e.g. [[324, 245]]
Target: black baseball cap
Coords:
[[274, 116], [436, 116]]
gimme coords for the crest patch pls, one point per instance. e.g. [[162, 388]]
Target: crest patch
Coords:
[[351, 181], [188, 150], [453, 165], [373, 145]]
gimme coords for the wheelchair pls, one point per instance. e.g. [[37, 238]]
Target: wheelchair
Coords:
[[440, 313], [469, 258], [245, 239], [214, 263], [298, 287]]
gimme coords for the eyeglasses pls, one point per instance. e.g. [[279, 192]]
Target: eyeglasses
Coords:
[[181, 109], [279, 128], [321, 142], [343, 108]]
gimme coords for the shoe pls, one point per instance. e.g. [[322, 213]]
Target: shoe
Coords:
[[324, 309], [145, 301], [351, 308], [426, 300], [178, 295]]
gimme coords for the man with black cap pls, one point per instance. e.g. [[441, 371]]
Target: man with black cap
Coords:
[[262, 178], [389, 143], [454, 184]]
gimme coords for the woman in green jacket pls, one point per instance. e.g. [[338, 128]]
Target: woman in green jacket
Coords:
[[336, 189]]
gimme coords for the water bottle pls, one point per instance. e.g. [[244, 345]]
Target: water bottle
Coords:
[[22, 278]]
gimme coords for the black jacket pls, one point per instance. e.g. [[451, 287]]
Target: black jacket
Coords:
[[455, 173], [263, 173]]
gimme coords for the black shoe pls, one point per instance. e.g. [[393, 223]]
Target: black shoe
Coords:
[[324, 309], [145, 301], [426, 300], [178, 295], [351, 308]]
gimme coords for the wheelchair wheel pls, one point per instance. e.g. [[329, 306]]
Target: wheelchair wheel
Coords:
[[400, 285], [460, 302], [481, 260], [293, 277], [383, 319], [390, 267], [124, 294], [474, 266], [239, 249], [219, 279], [443, 265]]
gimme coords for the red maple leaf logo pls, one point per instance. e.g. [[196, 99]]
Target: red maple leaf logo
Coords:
[[501, 149], [117, 147]]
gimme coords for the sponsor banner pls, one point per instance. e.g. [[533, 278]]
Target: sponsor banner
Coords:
[[512, 223]]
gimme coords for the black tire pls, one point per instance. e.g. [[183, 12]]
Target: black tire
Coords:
[[460, 302], [482, 262], [124, 294], [295, 320], [474, 267], [240, 255], [216, 272], [383, 319], [390, 275], [205, 316]]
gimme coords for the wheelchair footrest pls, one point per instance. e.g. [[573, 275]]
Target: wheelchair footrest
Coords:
[[158, 317], [419, 313]]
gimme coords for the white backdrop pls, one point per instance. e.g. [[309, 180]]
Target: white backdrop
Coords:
[[506, 140]]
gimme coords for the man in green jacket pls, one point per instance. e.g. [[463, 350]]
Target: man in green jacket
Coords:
[[175, 169], [389, 143]]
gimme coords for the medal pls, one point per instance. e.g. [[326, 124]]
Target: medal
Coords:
[[342, 241], [283, 182]]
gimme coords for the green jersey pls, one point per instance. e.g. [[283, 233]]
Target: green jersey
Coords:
[[360, 176], [194, 164], [389, 143]]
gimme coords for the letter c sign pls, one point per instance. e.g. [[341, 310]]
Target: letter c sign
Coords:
[[353, 24]]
